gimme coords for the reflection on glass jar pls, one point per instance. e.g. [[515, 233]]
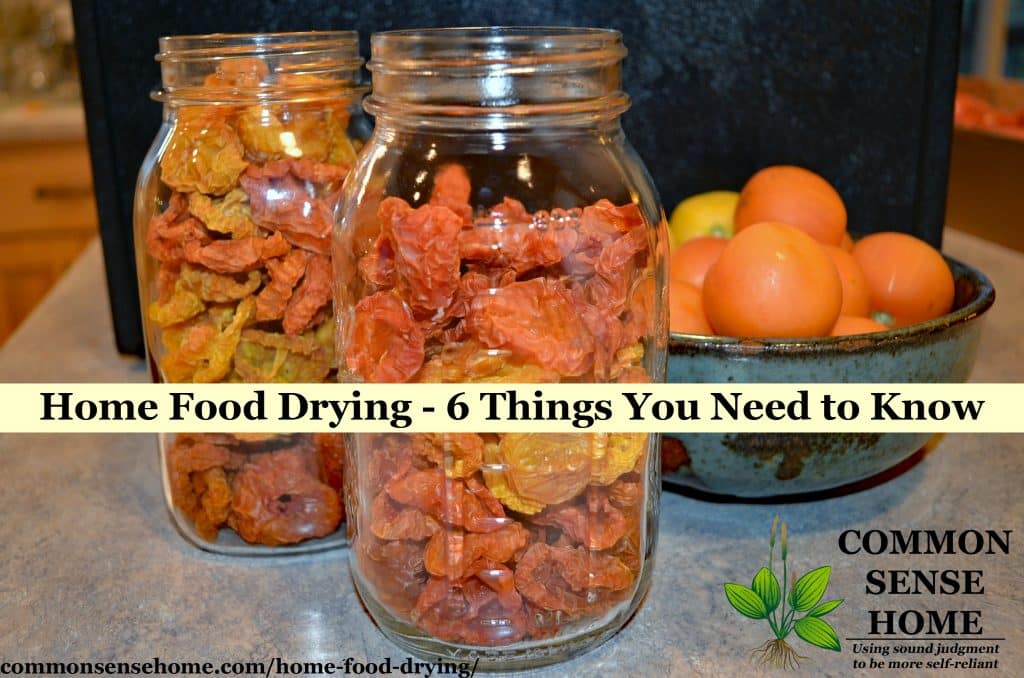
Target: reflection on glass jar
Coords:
[[498, 228], [233, 217]]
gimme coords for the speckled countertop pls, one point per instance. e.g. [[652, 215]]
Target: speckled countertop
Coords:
[[91, 568]]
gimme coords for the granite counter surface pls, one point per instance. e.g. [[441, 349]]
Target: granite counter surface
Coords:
[[92, 569]]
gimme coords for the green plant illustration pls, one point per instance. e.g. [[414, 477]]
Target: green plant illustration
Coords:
[[766, 599]]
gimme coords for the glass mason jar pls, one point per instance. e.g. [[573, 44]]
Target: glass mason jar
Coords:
[[497, 227], [233, 219]]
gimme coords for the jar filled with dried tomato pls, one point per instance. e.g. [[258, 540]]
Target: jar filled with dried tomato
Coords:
[[234, 210], [497, 227]]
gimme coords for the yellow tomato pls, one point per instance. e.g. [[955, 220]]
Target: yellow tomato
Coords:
[[703, 214]]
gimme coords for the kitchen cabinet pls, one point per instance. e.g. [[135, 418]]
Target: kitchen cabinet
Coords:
[[47, 217]]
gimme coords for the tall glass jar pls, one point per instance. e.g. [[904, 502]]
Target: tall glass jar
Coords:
[[234, 210], [497, 227]]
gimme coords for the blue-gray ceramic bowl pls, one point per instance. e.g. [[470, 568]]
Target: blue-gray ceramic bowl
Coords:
[[764, 465]]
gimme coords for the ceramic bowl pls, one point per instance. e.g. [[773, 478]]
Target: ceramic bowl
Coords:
[[765, 465]]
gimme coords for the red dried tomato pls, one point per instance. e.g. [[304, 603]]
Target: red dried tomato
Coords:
[[281, 202], [535, 319], [591, 520], [312, 295], [426, 251], [452, 190], [236, 256], [285, 273], [386, 343], [571, 580], [278, 500], [467, 612]]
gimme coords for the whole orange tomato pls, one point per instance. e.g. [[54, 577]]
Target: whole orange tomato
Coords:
[[686, 309], [691, 260], [906, 277], [795, 196], [848, 324], [772, 280], [856, 300]]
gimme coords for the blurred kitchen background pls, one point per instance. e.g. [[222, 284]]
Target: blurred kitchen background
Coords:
[[48, 213]]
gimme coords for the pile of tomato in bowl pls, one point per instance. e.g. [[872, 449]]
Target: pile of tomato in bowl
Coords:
[[768, 286]]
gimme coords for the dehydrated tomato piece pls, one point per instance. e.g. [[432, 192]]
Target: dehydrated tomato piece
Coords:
[[509, 236], [394, 569], [540, 468], [386, 343], [458, 555], [229, 215], [330, 461], [389, 520], [203, 155], [537, 320], [281, 202], [182, 305], [261, 130], [215, 500], [236, 256], [449, 500], [593, 521], [627, 492], [187, 457], [426, 250], [472, 362], [312, 295], [571, 580], [204, 354], [467, 612], [285, 274], [616, 454], [616, 269], [599, 225], [308, 169], [278, 501], [452, 190], [168, 232], [219, 288], [378, 265], [272, 357], [502, 581], [459, 454]]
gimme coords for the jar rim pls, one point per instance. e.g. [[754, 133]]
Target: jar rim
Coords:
[[490, 46], [272, 67], [497, 76], [212, 45]]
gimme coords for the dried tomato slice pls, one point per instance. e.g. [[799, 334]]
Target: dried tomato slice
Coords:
[[169, 232], [281, 202], [571, 580], [537, 320], [312, 295], [459, 454], [540, 468], [394, 569], [279, 501], [468, 612], [386, 343], [449, 500], [390, 521], [236, 256], [285, 273], [426, 250], [593, 522], [203, 155], [458, 555], [452, 189]]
